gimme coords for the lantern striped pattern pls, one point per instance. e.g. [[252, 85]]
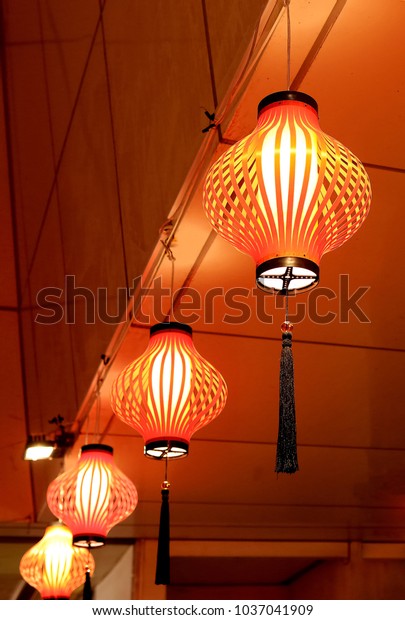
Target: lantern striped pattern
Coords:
[[93, 497], [53, 566], [168, 393], [287, 191]]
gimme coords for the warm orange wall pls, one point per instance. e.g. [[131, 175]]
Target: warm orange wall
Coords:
[[353, 579], [356, 579]]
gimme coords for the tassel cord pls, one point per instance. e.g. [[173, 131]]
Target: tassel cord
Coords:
[[163, 552], [286, 458]]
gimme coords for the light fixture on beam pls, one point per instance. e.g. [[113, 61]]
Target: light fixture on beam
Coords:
[[38, 448], [51, 446]]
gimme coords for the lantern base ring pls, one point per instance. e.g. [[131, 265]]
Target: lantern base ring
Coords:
[[87, 540], [166, 448], [287, 274]]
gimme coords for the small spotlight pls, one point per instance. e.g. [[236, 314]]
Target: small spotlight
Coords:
[[38, 448]]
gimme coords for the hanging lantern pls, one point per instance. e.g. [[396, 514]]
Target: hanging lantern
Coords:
[[92, 497], [168, 394], [287, 194], [54, 567]]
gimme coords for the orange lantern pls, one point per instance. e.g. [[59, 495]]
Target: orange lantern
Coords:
[[53, 566], [168, 393], [287, 193], [92, 497]]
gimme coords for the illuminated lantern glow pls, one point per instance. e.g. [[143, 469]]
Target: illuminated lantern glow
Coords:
[[168, 393], [53, 566], [93, 497], [287, 193]]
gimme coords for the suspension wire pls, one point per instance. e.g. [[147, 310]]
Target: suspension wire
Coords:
[[96, 433], [286, 306], [86, 440], [172, 258], [166, 466], [287, 6]]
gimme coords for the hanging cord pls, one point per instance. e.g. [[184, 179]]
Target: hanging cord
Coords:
[[86, 439], [87, 590], [96, 433], [287, 6], [172, 258], [163, 552], [286, 306], [99, 383], [286, 457]]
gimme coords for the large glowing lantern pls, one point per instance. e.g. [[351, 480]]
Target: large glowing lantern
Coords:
[[287, 193], [168, 393], [92, 497], [53, 566]]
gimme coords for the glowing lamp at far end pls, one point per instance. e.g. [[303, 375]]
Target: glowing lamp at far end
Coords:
[[53, 566]]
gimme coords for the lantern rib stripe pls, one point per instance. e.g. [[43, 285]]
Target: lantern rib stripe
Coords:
[[180, 416], [278, 207], [257, 210], [186, 385], [143, 368], [153, 408], [306, 201], [271, 240], [166, 369], [231, 180], [290, 198]]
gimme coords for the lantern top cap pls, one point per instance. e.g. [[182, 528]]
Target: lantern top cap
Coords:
[[287, 95], [98, 447], [170, 327]]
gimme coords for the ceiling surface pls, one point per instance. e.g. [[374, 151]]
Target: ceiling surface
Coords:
[[103, 144]]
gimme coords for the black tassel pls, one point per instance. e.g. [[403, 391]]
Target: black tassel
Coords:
[[87, 591], [287, 460], [163, 552]]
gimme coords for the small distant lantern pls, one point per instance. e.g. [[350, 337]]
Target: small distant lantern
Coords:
[[92, 497], [54, 566]]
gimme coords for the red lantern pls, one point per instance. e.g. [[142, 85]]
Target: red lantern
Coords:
[[168, 393], [53, 566], [92, 497], [287, 193]]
